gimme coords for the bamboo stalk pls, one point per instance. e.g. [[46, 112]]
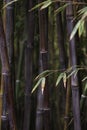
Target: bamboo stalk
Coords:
[[4, 116], [28, 63], [67, 107], [9, 32], [1, 95], [18, 85], [62, 59], [6, 78], [43, 110], [73, 62]]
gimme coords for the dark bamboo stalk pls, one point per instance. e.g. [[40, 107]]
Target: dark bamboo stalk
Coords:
[[62, 59], [4, 116], [9, 32], [28, 63], [1, 98], [43, 110], [21, 57], [4, 119], [68, 105], [6, 78], [73, 62], [61, 44], [18, 85]]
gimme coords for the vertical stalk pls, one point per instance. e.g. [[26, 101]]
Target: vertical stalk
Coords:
[[4, 119], [67, 107], [28, 63], [18, 84], [1, 95], [62, 57], [43, 110], [61, 44], [6, 78], [9, 32], [73, 62]]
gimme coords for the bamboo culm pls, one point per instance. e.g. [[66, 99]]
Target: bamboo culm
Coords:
[[43, 110], [9, 32], [73, 63], [29, 30], [6, 78], [62, 58]]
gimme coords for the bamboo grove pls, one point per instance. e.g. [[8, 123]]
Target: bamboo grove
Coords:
[[43, 59]]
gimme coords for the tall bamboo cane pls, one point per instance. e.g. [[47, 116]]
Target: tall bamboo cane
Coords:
[[62, 55], [9, 32], [28, 63], [6, 78], [43, 111], [73, 62]]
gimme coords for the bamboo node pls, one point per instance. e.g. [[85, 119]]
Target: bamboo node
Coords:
[[83, 96], [17, 81], [44, 109], [66, 117], [4, 117], [5, 73], [43, 51]]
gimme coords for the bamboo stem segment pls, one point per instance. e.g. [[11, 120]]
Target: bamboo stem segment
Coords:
[[43, 110], [6, 77], [73, 62]]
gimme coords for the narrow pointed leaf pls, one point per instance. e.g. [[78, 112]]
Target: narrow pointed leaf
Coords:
[[37, 6], [61, 9], [37, 84], [84, 79], [73, 72], [44, 73], [59, 78], [81, 28], [43, 84], [75, 29], [64, 79], [46, 4], [9, 3]]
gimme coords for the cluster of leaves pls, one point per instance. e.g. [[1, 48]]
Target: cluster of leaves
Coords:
[[82, 14], [41, 78], [80, 26]]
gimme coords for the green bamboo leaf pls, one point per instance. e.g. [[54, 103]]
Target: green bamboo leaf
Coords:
[[37, 6], [60, 9], [81, 28], [43, 84], [84, 79], [46, 4], [59, 78], [73, 72], [43, 74], [82, 11], [75, 29], [64, 79], [37, 84], [9, 3]]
